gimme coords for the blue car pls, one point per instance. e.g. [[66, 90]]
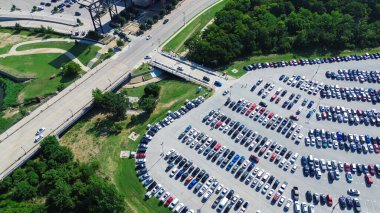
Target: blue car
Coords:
[[310, 104], [218, 83], [192, 184], [235, 158], [304, 102], [179, 174], [188, 128], [229, 166]]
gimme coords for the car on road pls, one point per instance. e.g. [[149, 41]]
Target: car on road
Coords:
[[166, 21], [38, 138]]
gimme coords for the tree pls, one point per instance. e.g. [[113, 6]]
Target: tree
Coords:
[[120, 43], [24, 191], [114, 103], [71, 69], [142, 26], [152, 90], [149, 21], [60, 198], [102, 197], [148, 104], [155, 18]]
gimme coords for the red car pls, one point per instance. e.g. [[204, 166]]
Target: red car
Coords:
[[329, 200], [274, 155], [368, 179], [140, 155], [278, 100], [347, 167], [218, 124], [188, 179], [217, 146], [270, 115], [276, 196], [371, 169], [248, 112], [273, 97], [253, 106], [254, 158], [262, 110], [168, 201]]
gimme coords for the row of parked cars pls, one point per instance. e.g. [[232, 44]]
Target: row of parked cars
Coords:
[[155, 189], [344, 141], [354, 75], [196, 178], [258, 112], [348, 115], [310, 86], [263, 146], [351, 93], [200, 182], [302, 62], [314, 167], [243, 169]]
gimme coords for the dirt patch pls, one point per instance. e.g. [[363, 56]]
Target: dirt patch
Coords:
[[7, 39], [167, 105], [84, 146], [10, 112]]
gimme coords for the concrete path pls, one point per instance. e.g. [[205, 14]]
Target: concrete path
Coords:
[[152, 80]]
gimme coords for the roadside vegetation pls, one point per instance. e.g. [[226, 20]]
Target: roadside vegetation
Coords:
[[54, 182], [91, 140], [84, 52], [247, 27], [145, 67], [177, 43]]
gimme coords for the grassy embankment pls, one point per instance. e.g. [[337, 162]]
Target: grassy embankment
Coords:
[[90, 143], [176, 43]]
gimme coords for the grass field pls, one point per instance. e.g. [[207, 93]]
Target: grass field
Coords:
[[43, 66], [176, 44], [141, 69], [87, 145], [84, 52], [239, 64], [5, 49]]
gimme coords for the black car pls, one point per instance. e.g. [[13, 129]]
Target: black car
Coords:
[[166, 21]]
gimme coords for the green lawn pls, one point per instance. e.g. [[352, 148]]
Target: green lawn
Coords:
[[43, 66], [5, 49], [141, 69], [84, 52], [5, 123], [176, 44], [173, 94], [29, 33]]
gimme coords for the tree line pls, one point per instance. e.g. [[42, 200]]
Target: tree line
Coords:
[[246, 27], [54, 182]]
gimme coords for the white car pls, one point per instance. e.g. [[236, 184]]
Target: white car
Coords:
[[288, 204], [281, 201], [147, 57], [38, 138], [173, 172], [353, 192], [148, 37], [40, 130], [207, 195], [165, 196]]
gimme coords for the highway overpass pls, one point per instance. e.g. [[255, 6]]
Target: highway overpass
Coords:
[[17, 143]]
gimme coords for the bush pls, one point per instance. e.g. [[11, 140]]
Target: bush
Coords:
[[142, 27], [148, 104], [120, 43], [71, 69], [152, 90]]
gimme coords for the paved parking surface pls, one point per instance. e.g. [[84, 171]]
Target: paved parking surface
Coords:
[[166, 139]]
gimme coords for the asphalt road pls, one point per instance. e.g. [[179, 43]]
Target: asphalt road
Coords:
[[18, 141], [166, 139]]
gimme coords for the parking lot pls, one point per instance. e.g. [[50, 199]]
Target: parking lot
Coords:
[[167, 139]]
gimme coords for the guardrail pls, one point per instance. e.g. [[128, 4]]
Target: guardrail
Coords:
[[191, 64], [180, 74]]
